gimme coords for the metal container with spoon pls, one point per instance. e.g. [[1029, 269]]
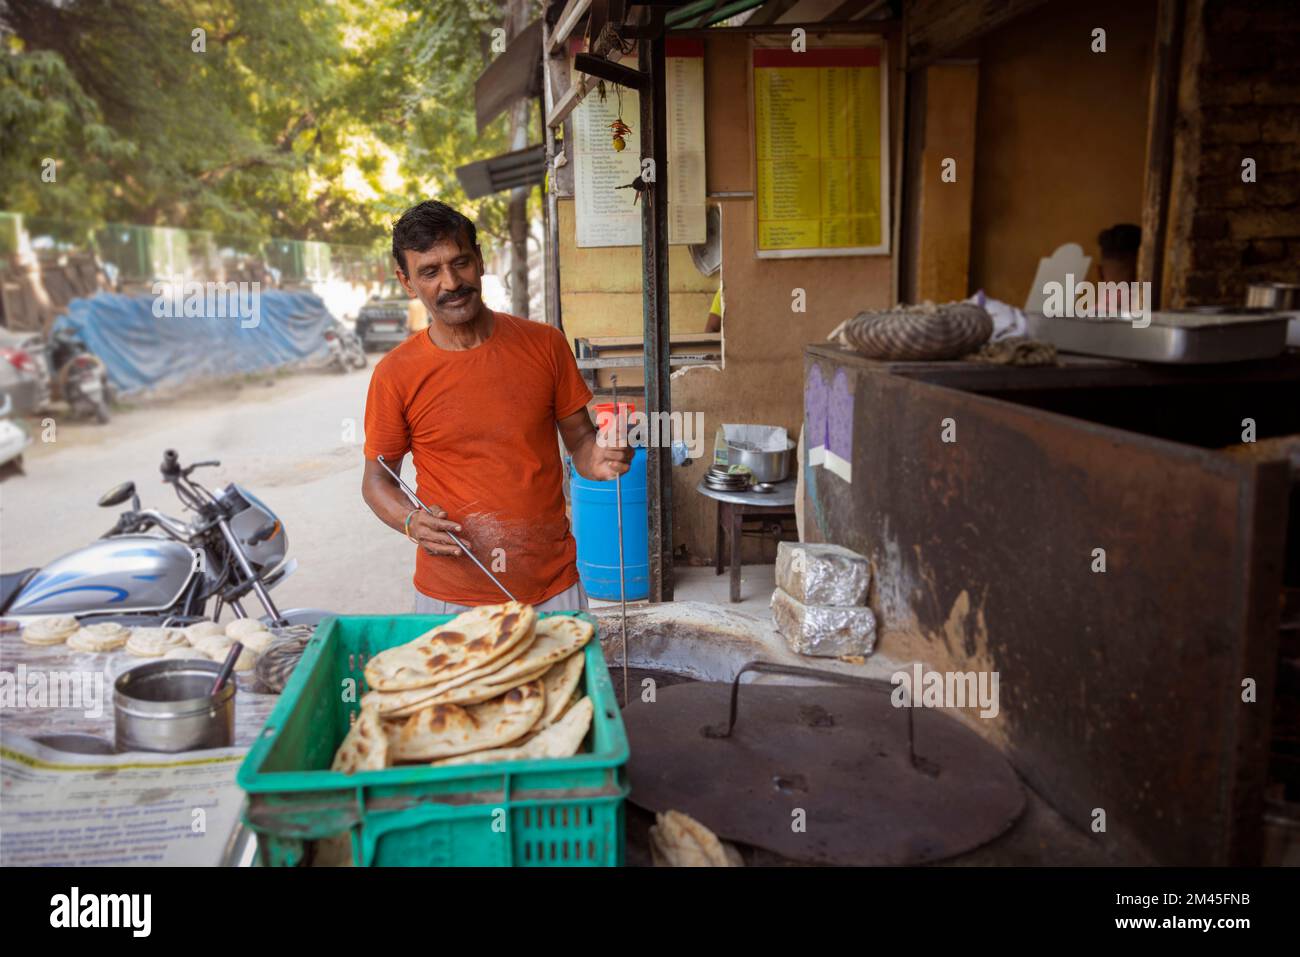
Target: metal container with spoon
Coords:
[[169, 706]]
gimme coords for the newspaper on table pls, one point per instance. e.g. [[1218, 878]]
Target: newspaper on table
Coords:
[[133, 809]]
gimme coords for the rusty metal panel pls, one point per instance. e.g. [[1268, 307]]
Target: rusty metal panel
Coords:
[[1121, 691]]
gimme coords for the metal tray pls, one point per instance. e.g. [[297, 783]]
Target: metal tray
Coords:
[[1174, 337]]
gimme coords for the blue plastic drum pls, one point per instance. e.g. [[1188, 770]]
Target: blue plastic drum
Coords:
[[595, 526]]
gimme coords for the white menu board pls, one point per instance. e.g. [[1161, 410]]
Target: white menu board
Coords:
[[606, 215]]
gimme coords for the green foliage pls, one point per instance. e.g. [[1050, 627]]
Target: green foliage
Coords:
[[300, 119]]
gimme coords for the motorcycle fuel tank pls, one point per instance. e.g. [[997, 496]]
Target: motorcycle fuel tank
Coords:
[[129, 573]]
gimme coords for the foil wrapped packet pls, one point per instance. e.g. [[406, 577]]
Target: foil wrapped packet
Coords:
[[822, 574], [828, 631]]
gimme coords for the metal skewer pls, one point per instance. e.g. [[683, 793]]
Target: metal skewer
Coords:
[[412, 496], [618, 495]]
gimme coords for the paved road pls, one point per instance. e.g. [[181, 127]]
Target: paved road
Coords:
[[294, 440]]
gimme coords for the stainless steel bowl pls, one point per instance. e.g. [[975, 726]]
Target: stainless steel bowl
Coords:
[[166, 706], [766, 466]]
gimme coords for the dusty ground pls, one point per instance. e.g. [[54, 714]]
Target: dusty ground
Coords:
[[294, 440]]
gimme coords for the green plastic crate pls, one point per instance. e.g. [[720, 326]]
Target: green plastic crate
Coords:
[[540, 812]]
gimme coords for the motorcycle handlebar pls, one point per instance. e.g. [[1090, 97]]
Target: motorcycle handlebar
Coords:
[[170, 467]]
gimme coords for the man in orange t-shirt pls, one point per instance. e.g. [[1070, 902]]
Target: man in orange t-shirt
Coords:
[[476, 399]]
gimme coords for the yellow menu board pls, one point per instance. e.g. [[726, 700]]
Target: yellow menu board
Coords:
[[822, 157]]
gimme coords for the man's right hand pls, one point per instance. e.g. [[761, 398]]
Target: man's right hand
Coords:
[[430, 532]]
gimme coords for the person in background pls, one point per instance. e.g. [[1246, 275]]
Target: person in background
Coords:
[[1118, 264], [714, 323]]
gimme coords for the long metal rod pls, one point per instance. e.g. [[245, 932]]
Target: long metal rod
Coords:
[[654, 277], [463, 547], [618, 496]]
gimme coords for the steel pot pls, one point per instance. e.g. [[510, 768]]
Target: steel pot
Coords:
[[766, 466], [1280, 296], [167, 706]]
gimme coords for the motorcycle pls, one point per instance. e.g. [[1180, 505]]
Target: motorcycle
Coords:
[[153, 569], [346, 351], [71, 371]]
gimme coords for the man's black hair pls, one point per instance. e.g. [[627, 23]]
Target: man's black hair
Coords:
[[424, 224], [1120, 241]]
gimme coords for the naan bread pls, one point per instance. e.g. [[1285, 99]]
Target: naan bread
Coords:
[[447, 729], [468, 641], [557, 638], [560, 740], [465, 695], [103, 636], [51, 630], [469, 677], [678, 840], [560, 682], [186, 653], [365, 748]]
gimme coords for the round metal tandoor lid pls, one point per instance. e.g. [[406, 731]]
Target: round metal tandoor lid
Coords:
[[820, 774]]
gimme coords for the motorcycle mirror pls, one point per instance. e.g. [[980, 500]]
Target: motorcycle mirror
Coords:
[[118, 495]]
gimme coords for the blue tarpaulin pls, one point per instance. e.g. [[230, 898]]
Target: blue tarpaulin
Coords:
[[147, 342]]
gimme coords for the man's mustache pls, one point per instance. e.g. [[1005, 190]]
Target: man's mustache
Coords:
[[455, 293]]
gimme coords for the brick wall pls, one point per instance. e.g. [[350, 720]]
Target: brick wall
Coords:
[[1239, 97]]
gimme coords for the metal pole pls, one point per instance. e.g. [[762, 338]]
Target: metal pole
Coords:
[[550, 206], [618, 501], [654, 269]]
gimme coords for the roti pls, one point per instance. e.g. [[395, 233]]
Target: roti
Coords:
[[467, 642], [237, 629], [154, 642], [257, 641], [202, 630], [448, 729], [102, 636], [365, 748], [560, 740], [51, 630]]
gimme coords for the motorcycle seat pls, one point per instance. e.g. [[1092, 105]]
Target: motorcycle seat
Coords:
[[12, 584]]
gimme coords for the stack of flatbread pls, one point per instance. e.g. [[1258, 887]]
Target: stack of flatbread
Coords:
[[493, 684]]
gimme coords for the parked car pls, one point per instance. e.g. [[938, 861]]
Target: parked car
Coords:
[[20, 375], [389, 317]]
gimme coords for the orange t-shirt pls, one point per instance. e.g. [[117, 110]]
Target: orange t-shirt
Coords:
[[481, 426]]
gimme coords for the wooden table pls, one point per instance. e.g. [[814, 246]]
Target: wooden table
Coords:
[[734, 508]]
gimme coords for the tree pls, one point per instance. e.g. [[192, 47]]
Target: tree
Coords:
[[291, 119]]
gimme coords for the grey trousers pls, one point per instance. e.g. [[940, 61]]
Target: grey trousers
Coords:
[[573, 598]]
